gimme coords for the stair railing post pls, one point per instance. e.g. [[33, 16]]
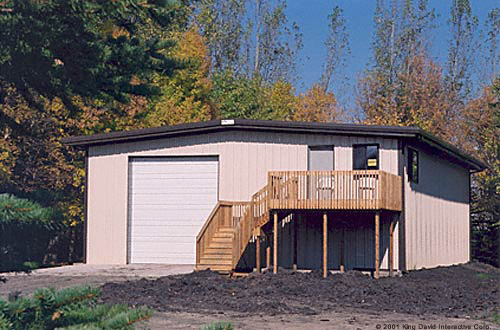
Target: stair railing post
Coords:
[[377, 244], [275, 243]]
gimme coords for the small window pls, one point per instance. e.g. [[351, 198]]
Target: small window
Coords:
[[412, 165], [321, 158], [365, 157]]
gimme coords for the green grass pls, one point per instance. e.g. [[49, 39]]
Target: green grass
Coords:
[[496, 318], [484, 276], [218, 326], [30, 265]]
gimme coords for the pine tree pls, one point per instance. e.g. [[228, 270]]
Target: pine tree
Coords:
[[25, 227], [70, 308], [88, 49]]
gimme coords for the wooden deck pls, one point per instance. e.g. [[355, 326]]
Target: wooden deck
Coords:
[[232, 225], [334, 190]]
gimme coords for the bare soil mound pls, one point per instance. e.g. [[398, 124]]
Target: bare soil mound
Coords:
[[471, 290]]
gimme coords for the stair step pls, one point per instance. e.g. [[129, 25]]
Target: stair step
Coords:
[[221, 240], [219, 251], [219, 245], [226, 230], [209, 256], [215, 262], [219, 269], [223, 235]]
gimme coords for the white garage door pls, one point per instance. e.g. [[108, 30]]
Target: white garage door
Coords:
[[170, 199]]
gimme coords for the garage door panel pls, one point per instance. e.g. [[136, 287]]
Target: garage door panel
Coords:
[[181, 169], [163, 231], [176, 193], [168, 259], [174, 215], [166, 184], [167, 173], [174, 242], [176, 199], [161, 199], [172, 186], [164, 256], [170, 200], [176, 222], [159, 247]]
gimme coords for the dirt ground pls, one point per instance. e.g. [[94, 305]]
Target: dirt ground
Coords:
[[467, 291], [457, 297], [83, 274], [346, 320]]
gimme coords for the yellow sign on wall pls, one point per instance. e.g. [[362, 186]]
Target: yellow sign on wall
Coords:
[[372, 162]]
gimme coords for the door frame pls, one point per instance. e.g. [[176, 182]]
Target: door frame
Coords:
[[130, 158]]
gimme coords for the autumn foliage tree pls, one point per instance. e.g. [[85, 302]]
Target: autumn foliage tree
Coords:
[[185, 96], [317, 105], [418, 97], [481, 128]]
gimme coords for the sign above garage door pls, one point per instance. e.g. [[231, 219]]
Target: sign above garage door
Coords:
[[170, 198]]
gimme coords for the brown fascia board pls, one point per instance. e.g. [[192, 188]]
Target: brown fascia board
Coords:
[[240, 124], [432, 141], [275, 126]]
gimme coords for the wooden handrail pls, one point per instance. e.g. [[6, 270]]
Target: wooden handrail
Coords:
[[256, 213], [207, 222]]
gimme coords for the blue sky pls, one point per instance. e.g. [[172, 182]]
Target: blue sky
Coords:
[[311, 16]]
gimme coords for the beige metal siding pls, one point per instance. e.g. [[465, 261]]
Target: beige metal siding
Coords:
[[107, 210], [244, 159], [437, 213]]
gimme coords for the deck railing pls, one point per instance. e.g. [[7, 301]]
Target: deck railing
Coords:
[[341, 190], [256, 214]]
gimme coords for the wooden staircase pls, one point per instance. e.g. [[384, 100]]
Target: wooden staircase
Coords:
[[224, 237], [215, 242], [218, 255]]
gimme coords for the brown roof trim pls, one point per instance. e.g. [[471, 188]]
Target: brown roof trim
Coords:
[[276, 126]]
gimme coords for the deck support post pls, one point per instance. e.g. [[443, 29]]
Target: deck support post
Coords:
[[257, 253], [268, 253], [391, 247], [275, 244], [294, 257], [377, 244], [325, 245], [342, 250]]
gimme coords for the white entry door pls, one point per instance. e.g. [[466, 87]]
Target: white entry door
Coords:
[[170, 198]]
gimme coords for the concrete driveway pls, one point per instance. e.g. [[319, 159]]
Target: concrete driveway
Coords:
[[82, 274]]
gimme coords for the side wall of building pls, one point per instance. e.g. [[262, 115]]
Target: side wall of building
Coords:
[[437, 226], [244, 160]]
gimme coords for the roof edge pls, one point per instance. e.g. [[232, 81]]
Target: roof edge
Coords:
[[85, 141]]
